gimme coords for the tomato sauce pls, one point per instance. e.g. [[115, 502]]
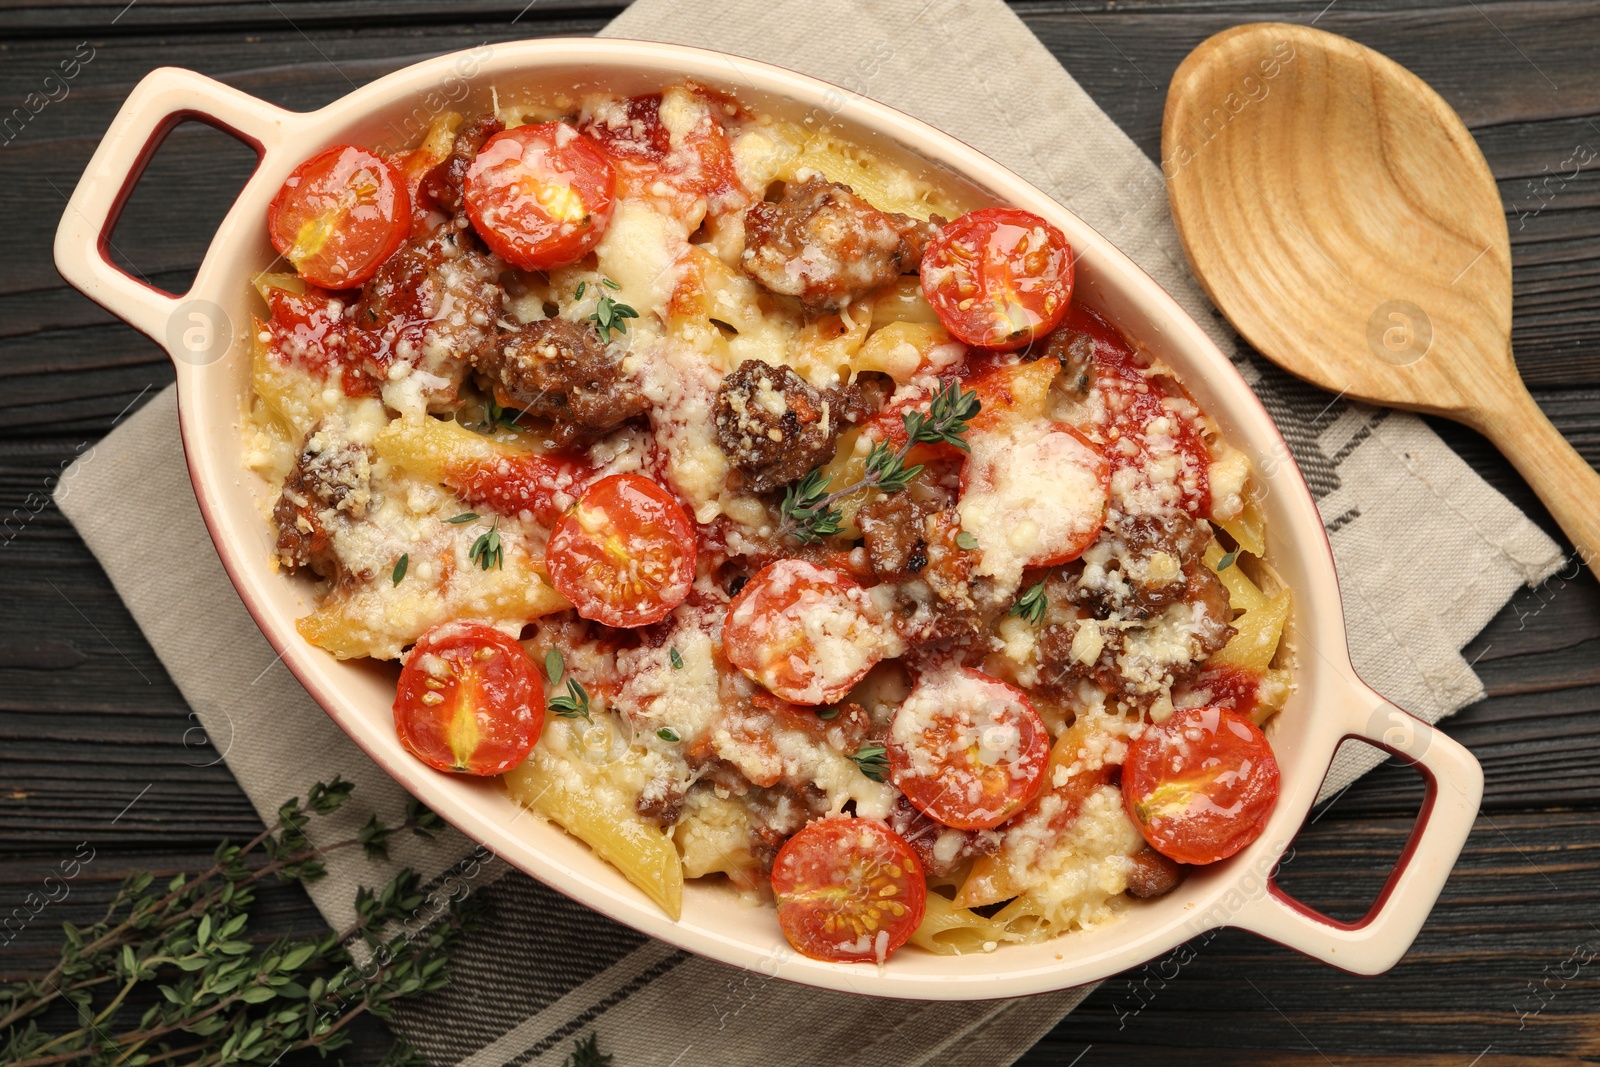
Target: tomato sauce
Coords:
[[640, 147], [308, 329], [529, 482], [1134, 399], [1230, 687]]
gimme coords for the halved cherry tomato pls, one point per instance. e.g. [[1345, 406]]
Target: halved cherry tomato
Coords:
[[849, 890], [540, 196], [1136, 399], [339, 216], [624, 555], [967, 750], [1201, 785], [469, 700], [522, 482], [998, 277], [1035, 497], [807, 633], [675, 167], [1012, 392]]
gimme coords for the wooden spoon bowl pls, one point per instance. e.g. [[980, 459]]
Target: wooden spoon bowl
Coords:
[[1338, 212]]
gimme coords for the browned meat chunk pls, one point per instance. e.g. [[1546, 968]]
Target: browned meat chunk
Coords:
[[1067, 657], [773, 425], [443, 183], [894, 532], [560, 370], [1215, 627], [1075, 352], [431, 306], [1153, 875], [1137, 656], [662, 806], [938, 603], [827, 246], [331, 480], [940, 848], [1144, 563]]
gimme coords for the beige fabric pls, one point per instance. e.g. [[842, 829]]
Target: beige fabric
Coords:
[[1426, 550]]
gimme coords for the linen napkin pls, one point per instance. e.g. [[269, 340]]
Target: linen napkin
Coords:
[[1427, 553]]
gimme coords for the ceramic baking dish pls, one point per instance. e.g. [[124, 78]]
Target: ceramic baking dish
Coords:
[[206, 331]]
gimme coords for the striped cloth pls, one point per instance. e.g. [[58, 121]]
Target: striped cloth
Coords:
[[1427, 554]]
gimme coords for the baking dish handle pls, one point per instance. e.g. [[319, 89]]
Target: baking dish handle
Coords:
[[164, 98], [1377, 940]]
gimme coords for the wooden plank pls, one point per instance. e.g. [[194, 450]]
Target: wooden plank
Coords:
[[1556, 327], [88, 720], [1460, 989]]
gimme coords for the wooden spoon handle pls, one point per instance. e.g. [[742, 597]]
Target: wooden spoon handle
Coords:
[[1566, 483]]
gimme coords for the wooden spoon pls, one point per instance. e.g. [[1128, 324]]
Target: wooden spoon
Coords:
[[1341, 216]]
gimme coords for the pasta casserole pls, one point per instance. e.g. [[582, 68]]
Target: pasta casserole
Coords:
[[759, 507]]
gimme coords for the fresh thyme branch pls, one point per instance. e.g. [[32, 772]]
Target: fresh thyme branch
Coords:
[[220, 997], [809, 511]]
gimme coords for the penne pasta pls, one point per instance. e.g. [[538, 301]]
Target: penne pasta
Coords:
[[579, 798]]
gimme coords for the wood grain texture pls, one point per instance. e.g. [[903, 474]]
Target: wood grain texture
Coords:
[[88, 719], [1335, 208]]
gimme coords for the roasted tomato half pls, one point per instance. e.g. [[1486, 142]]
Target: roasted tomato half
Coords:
[[808, 633], [339, 216], [967, 750], [999, 277], [1201, 785], [624, 554], [540, 196], [849, 890], [469, 700]]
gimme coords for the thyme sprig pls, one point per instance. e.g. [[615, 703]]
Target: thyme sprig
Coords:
[[873, 761], [572, 704], [586, 1053], [810, 512], [487, 551], [609, 314], [219, 995], [1031, 605]]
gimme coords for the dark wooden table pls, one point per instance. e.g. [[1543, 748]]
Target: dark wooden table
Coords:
[[94, 742]]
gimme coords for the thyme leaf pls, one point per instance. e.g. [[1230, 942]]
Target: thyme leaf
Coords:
[[611, 316], [586, 1053], [873, 761], [572, 704], [1032, 605], [487, 551]]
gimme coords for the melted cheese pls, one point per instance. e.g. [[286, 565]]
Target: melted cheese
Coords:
[[1032, 494], [963, 710], [641, 251], [1075, 879]]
